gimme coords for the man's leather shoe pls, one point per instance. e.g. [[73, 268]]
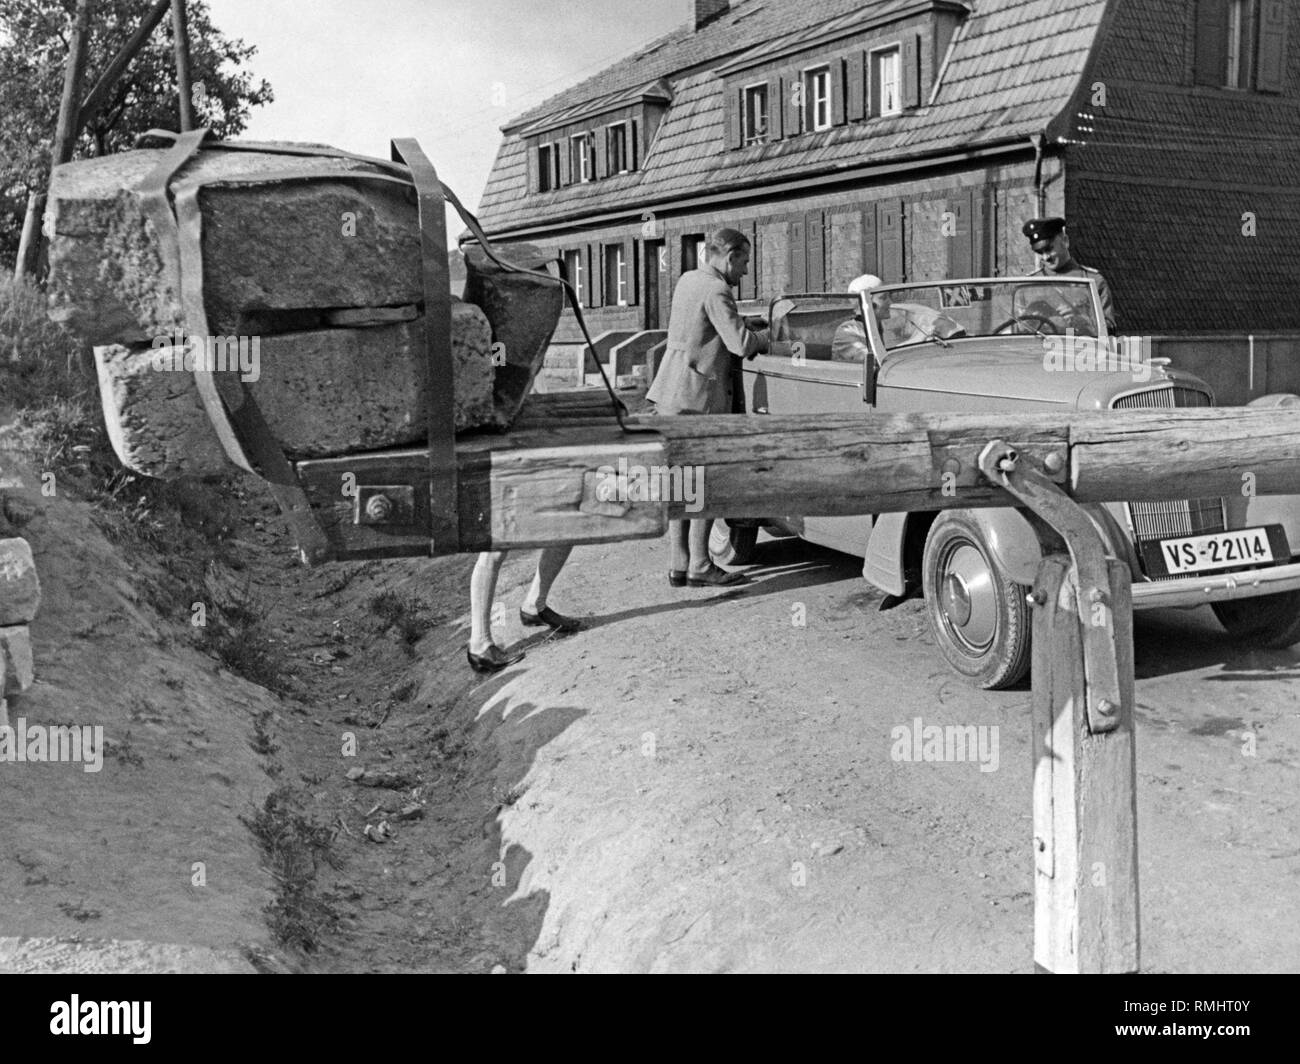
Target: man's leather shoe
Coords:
[[677, 577], [547, 616], [716, 577], [494, 660]]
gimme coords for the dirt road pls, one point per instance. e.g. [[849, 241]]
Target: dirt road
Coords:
[[702, 782]]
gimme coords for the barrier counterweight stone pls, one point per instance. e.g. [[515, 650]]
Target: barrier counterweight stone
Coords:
[[20, 589], [17, 670]]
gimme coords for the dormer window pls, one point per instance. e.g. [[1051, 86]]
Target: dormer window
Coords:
[[817, 98], [755, 114], [887, 82], [548, 167], [616, 152], [582, 157]]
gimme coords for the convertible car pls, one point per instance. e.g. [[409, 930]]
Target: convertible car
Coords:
[[1012, 344]]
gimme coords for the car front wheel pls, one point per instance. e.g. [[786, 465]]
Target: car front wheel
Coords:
[[979, 616], [1271, 622], [732, 545]]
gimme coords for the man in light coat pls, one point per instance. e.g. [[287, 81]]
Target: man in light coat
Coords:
[[704, 331]]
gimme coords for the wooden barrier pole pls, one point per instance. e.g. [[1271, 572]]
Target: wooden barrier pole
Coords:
[[65, 140], [1085, 786], [181, 34], [98, 95]]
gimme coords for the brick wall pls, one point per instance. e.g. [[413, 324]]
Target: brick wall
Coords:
[[1171, 174]]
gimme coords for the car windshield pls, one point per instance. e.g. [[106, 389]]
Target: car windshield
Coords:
[[929, 313]]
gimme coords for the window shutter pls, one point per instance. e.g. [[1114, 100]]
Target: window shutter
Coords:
[[595, 276], [959, 244], [1211, 42], [629, 272], [889, 241], [747, 287], [838, 108], [1272, 47], [815, 239], [911, 73], [629, 133], [599, 140], [534, 151], [564, 144], [870, 251], [981, 234], [731, 106], [856, 87], [794, 104], [798, 255], [775, 111]]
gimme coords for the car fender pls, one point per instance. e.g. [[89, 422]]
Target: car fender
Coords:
[[1010, 537], [883, 563], [1008, 534]]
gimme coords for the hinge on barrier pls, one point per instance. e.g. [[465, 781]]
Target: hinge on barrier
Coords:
[[1012, 471]]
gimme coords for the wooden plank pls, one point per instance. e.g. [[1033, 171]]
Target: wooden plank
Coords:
[[834, 464], [545, 489], [1086, 916]]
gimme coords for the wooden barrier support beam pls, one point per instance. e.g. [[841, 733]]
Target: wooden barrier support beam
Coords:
[[1085, 787]]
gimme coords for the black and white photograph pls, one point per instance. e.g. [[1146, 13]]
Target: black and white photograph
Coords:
[[379, 594]]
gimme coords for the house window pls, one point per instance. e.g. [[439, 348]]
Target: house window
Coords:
[[1238, 44], [573, 271], [582, 157], [887, 82], [615, 275], [548, 167], [755, 117], [616, 149], [692, 251], [817, 98]]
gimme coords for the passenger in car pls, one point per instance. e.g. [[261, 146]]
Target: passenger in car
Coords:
[[850, 343]]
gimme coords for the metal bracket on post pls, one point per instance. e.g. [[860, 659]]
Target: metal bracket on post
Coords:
[[1036, 492], [444, 504]]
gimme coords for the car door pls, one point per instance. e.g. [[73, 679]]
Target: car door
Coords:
[[798, 376]]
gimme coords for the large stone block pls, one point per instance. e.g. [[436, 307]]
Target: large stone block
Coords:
[[322, 392], [266, 246], [20, 589], [17, 671]]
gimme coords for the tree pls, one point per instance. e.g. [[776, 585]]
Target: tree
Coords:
[[33, 52]]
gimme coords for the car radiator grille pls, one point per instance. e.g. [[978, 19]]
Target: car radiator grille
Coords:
[[1162, 520]]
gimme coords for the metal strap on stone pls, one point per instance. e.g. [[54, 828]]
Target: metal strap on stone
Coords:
[[231, 408], [444, 507]]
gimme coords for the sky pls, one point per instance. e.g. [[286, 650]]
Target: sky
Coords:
[[356, 73]]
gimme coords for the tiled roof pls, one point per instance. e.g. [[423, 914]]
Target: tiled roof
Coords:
[[1013, 67]]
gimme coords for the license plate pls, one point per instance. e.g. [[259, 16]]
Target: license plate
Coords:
[[1218, 550]]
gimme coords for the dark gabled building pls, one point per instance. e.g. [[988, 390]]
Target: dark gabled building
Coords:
[[913, 138]]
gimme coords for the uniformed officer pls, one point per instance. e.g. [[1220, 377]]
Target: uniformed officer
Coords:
[[1051, 243]]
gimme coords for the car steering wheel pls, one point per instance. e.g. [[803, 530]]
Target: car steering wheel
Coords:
[[1049, 326]]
